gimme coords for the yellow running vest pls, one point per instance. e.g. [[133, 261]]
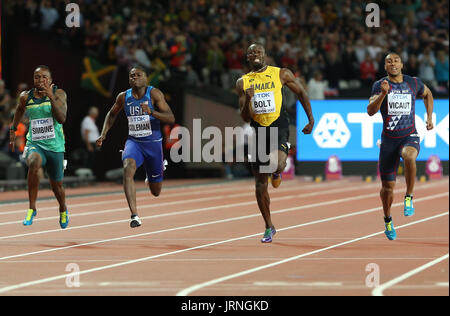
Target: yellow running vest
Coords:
[[268, 99]]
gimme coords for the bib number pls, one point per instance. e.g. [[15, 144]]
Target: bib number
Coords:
[[263, 103], [42, 129], [399, 104], [139, 126]]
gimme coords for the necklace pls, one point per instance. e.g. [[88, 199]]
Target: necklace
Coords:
[[260, 69]]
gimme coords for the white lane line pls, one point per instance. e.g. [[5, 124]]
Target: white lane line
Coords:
[[197, 287], [196, 225], [143, 191], [146, 195], [378, 291], [441, 284], [426, 186], [141, 196], [297, 284], [190, 211], [233, 219], [219, 188], [119, 190], [154, 205], [102, 268]]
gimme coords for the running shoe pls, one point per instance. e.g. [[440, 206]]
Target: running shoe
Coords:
[[29, 218], [276, 179], [268, 235], [135, 221], [64, 219], [390, 231], [409, 207]]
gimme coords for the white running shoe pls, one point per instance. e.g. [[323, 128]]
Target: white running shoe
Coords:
[[135, 221]]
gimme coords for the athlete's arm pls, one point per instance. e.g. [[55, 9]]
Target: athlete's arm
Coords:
[[58, 101], [164, 113], [287, 78], [59, 105], [111, 117], [245, 98], [428, 100], [20, 111], [375, 101]]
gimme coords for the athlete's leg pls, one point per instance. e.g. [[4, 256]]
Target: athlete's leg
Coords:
[[387, 196], [154, 166], [282, 157], [60, 194], [409, 155], [262, 197], [34, 162], [155, 188], [129, 186]]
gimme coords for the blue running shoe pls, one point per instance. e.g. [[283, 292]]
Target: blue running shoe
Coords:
[[268, 235], [390, 231], [29, 218], [409, 207], [64, 219]]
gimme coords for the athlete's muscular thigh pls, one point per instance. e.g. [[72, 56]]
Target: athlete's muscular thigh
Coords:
[[34, 161]]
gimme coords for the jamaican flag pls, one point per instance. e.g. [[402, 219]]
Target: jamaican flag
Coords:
[[98, 77]]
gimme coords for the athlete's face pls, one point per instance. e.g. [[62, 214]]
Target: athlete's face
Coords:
[[393, 64], [41, 78], [255, 56], [137, 78]]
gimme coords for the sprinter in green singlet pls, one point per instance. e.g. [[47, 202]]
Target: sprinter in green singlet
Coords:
[[46, 108]]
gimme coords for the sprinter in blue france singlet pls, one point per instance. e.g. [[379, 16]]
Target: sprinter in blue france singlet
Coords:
[[395, 97]]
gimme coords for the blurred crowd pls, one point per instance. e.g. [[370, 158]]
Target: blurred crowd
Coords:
[[325, 43]]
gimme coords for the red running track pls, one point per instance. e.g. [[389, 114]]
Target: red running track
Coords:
[[204, 239]]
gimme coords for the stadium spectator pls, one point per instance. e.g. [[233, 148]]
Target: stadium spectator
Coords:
[[89, 135], [49, 15], [215, 63], [368, 71], [5, 99], [441, 69], [426, 67], [316, 87], [411, 67], [298, 34]]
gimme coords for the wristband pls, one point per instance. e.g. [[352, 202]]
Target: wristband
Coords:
[[13, 128]]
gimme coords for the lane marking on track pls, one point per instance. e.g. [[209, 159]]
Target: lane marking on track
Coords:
[[297, 284], [145, 192], [234, 219], [197, 287], [378, 291], [177, 194], [191, 289], [185, 212], [426, 186], [154, 205], [144, 189]]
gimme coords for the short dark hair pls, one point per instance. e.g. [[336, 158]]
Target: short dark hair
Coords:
[[139, 68], [392, 53], [45, 67], [258, 45]]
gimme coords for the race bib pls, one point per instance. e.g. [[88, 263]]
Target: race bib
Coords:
[[139, 126], [264, 102], [42, 129], [399, 104]]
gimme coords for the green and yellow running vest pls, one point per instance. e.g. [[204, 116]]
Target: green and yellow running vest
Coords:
[[43, 129]]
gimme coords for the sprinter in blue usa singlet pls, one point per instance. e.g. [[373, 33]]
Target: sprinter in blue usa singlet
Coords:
[[395, 97], [145, 108]]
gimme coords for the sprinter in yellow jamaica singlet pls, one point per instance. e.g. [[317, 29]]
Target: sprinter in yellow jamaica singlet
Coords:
[[261, 104]]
